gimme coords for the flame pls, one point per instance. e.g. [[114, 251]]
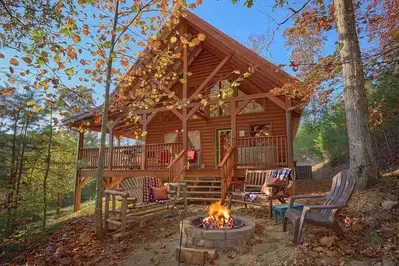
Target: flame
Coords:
[[218, 214]]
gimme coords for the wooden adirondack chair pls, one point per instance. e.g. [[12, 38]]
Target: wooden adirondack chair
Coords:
[[254, 180], [343, 185]]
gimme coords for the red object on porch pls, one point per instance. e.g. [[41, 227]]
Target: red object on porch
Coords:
[[191, 156], [165, 157]]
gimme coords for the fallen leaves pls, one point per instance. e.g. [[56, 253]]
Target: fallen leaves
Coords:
[[327, 240]]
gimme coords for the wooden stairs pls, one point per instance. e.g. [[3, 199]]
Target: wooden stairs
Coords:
[[203, 188]]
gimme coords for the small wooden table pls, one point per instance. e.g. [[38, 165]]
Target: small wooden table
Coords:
[[282, 208]]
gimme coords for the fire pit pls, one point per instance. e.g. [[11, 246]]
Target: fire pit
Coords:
[[218, 230]]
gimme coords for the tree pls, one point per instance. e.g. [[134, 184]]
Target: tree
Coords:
[[362, 161], [324, 74]]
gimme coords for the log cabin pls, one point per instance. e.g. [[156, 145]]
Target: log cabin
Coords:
[[206, 146]]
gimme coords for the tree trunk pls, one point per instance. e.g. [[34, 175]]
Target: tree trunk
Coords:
[[11, 179], [101, 157], [48, 159], [21, 164], [362, 161]]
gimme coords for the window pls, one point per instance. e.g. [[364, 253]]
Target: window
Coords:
[[260, 130]]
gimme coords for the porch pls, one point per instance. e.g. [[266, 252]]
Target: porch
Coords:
[[250, 152]]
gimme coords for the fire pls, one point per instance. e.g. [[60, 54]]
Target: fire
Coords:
[[218, 217]]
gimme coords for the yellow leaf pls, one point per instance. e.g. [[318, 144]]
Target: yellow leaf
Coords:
[[14, 62], [173, 39], [201, 37], [36, 108], [183, 40], [75, 38], [11, 79], [144, 133]]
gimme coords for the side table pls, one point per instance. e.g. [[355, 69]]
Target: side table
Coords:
[[282, 208]]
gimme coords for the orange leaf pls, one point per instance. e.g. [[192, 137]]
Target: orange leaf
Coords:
[[141, 44], [1, 56], [85, 30], [199, 2], [124, 62], [60, 65], [83, 62], [14, 62], [75, 38], [27, 60]]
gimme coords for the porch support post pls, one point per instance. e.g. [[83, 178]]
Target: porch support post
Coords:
[[185, 117], [233, 114], [78, 188], [143, 143], [288, 120], [110, 147]]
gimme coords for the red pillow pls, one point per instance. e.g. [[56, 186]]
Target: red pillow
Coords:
[[159, 193]]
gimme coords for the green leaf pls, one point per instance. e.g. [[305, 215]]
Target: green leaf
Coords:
[[37, 34], [69, 71], [182, 81], [30, 103], [247, 74], [65, 32]]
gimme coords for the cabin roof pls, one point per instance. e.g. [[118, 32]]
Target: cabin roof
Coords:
[[266, 73]]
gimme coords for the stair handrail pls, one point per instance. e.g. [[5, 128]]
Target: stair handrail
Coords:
[[176, 167], [227, 165]]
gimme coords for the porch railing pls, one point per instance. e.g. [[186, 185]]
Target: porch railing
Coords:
[[227, 166], [158, 157], [177, 167], [255, 152]]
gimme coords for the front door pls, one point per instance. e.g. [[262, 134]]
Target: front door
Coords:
[[223, 143]]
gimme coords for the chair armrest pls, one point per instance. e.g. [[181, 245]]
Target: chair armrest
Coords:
[[276, 185], [119, 189], [324, 207], [115, 192], [293, 198]]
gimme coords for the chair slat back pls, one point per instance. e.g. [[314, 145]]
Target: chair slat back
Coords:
[[134, 187], [256, 178], [342, 188]]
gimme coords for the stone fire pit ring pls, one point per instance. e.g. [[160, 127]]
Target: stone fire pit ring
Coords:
[[194, 237]]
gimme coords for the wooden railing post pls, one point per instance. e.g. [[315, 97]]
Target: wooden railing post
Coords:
[[143, 143]]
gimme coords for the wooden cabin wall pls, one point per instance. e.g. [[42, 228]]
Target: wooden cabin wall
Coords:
[[165, 122]]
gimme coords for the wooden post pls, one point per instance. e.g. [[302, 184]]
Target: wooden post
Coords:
[[110, 147], [143, 142], [78, 188], [185, 118]]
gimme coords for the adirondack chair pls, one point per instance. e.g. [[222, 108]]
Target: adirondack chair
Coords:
[[343, 185], [136, 202], [254, 180]]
